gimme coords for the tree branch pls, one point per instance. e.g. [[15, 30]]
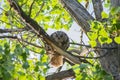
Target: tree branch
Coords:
[[15, 37], [30, 10], [78, 12], [89, 46], [115, 3], [41, 33], [11, 30], [39, 9], [61, 75], [98, 8]]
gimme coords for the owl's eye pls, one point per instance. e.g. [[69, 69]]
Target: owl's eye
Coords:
[[61, 35]]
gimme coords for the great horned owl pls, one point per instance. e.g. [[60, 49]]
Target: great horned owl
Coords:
[[62, 40]]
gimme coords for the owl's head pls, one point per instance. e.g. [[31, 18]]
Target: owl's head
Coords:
[[61, 39]]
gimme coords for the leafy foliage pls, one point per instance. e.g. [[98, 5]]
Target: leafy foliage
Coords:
[[99, 33], [16, 60], [16, 63], [88, 72], [16, 56], [105, 32]]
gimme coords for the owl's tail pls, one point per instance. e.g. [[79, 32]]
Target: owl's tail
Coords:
[[56, 60]]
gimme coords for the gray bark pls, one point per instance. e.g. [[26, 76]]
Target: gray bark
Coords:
[[61, 75], [115, 3], [78, 12], [98, 8], [111, 61]]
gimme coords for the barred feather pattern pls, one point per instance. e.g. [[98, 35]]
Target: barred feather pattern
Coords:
[[62, 40]]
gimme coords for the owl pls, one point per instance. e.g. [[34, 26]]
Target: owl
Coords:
[[62, 40]]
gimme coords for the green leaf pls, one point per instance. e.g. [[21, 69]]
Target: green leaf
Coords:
[[41, 77], [80, 0], [84, 66], [36, 68], [44, 58], [117, 39], [24, 56], [95, 26], [7, 48], [114, 10], [21, 73], [92, 35], [102, 39], [109, 40], [103, 33], [1, 49], [104, 15], [6, 75], [18, 50], [107, 5], [76, 68], [25, 65], [93, 43]]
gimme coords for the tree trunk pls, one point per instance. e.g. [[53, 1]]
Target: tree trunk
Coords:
[[111, 61]]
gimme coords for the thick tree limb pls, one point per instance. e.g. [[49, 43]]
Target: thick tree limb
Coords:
[[61, 75], [40, 32], [78, 12], [98, 8]]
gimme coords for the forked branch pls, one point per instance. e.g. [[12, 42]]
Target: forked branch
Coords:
[[40, 32]]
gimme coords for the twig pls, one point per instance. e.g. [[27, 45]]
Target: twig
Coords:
[[81, 36], [94, 57], [11, 30], [30, 10], [4, 22], [39, 9], [81, 44], [3, 9], [15, 37], [94, 47], [24, 3], [30, 43]]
